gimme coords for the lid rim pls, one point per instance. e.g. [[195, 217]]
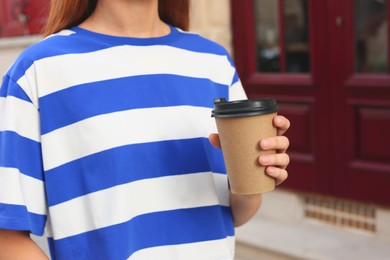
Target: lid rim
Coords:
[[242, 108], [243, 114]]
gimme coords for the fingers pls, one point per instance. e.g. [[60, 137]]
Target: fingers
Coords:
[[280, 159], [276, 163], [279, 174], [282, 124], [214, 140], [279, 143], [276, 166]]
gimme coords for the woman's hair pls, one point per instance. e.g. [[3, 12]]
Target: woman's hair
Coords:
[[65, 14]]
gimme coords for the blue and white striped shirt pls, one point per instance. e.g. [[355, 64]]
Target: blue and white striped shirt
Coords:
[[104, 146]]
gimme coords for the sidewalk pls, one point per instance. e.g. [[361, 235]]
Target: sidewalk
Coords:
[[275, 229], [247, 252]]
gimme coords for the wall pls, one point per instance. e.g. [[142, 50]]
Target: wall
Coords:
[[10, 48], [211, 19]]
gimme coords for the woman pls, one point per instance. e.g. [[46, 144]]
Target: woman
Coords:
[[104, 138]]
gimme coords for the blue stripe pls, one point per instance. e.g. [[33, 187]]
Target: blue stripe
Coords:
[[80, 102], [131, 163], [17, 217], [11, 88], [119, 40], [50, 242], [21, 153], [150, 230]]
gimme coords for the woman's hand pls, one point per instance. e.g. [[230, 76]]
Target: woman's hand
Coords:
[[276, 163]]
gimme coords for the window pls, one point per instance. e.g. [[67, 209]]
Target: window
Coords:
[[282, 36], [371, 39]]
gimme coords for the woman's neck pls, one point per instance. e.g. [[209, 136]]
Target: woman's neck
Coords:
[[129, 18]]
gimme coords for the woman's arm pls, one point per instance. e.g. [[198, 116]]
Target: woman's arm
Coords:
[[244, 207], [18, 245]]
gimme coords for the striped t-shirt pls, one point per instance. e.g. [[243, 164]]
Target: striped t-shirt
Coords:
[[104, 146]]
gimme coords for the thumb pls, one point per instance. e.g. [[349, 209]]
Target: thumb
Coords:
[[214, 140]]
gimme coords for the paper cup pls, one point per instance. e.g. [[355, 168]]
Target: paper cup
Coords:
[[241, 125]]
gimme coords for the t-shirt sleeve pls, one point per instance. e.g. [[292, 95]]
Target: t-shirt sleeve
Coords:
[[236, 90], [22, 188]]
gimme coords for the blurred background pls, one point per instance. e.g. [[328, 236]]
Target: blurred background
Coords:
[[327, 64]]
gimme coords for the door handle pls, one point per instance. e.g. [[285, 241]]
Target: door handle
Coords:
[[18, 12], [339, 21]]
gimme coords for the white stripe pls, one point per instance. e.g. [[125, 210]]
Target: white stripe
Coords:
[[107, 131], [61, 33], [126, 61], [222, 189], [237, 92], [123, 202], [29, 85], [28, 82], [63, 71], [222, 249], [19, 116], [20, 189]]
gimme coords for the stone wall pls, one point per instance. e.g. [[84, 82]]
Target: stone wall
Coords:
[[212, 19]]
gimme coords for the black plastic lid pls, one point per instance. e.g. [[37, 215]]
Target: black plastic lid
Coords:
[[242, 108]]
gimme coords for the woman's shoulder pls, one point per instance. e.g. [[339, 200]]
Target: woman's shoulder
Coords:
[[55, 44], [60, 43], [197, 42]]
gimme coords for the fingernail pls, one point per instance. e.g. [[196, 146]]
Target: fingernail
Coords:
[[264, 160]]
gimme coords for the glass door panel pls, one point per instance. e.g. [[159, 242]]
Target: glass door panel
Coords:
[[296, 36], [282, 36], [267, 36], [371, 36]]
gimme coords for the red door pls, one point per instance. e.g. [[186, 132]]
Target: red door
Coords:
[[326, 62], [22, 17], [360, 86]]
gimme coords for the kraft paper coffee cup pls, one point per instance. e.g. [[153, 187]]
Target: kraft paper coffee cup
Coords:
[[241, 125]]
